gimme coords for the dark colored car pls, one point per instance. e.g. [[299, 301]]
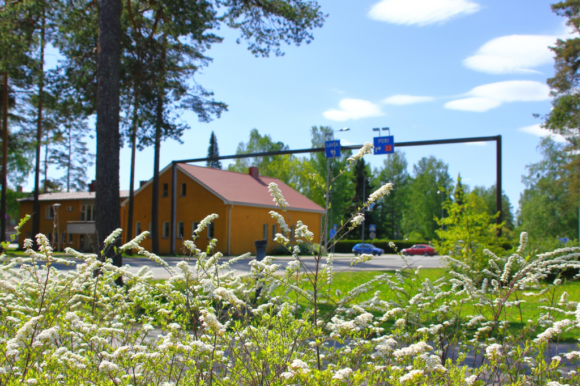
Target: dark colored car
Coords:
[[419, 249], [366, 248]]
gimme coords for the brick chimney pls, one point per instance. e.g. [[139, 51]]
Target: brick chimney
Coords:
[[93, 186], [141, 183], [253, 171]]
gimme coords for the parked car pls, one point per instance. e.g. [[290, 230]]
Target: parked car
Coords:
[[419, 249], [367, 248]]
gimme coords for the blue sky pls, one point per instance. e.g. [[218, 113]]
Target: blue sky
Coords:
[[428, 69]]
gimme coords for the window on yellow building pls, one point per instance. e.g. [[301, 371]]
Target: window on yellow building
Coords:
[[150, 229], [69, 208], [137, 228], [183, 189], [180, 230], [210, 231], [265, 232], [70, 238], [165, 230], [292, 232], [87, 213], [49, 212], [194, 227], [165, 190], [274, 231]]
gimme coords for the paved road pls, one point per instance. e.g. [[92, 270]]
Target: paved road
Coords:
[[341, 263]]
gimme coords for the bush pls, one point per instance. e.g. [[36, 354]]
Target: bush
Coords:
[[206, 325], [345, 246]]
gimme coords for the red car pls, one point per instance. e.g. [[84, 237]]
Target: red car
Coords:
[[419, 249]]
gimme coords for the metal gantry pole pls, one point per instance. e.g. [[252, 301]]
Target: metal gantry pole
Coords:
[[498, 187]]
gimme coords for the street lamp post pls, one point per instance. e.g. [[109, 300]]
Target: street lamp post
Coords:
[[442, 194], [56, 206], [328, 184]]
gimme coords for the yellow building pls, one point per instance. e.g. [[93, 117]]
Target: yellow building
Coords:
[[242, 202], [72, 222]]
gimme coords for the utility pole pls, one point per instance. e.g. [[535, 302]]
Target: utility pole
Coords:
[[4, 161]]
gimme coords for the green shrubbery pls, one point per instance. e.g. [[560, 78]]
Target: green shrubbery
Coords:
[[208, 326]]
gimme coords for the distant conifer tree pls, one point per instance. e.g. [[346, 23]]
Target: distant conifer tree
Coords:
[[213, 152]]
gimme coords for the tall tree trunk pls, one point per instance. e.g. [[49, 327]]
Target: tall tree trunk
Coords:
[[135, 125], [131, 187], [155, 198], [158, 132], [45, 189], [4, 161], [107, 211], [69, 159], [36, 205]]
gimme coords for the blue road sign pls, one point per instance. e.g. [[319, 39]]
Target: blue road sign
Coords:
[[332, 148], [384, 145], [372, 228], [332, 233], [563, 240]]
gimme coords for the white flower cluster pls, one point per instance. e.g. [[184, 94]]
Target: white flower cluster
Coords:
[[357, 220], [297, 366], [342, 374], [276, 193], [228, 296], [113, 236], [366, 149], [523, 242], [302, 231], [283, 226], [210, 321], [556, 329], [361, 259], [382, 191], [412, 350], [412, 375], [204, 224], [493, 351]]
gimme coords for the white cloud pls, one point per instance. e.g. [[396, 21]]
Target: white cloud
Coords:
[[478, 105], [538, 131], [353, 109], [407, 99], [421, 12], [490, 96], [512, 54]]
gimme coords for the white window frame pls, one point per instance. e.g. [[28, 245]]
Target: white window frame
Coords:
[[210, 230], [180, 230]]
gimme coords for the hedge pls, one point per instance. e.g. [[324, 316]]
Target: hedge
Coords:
[[345, 246]]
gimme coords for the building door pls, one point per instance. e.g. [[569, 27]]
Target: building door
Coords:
[[81, 243]]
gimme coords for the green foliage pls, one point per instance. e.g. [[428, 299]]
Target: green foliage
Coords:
[[545, 210], [213, 152], [468, 230], [390, 211], [425, 198]]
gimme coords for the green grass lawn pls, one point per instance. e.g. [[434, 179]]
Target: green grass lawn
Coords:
[[346, 281]]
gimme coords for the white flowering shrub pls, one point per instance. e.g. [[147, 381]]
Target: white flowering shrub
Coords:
[[208, 326]]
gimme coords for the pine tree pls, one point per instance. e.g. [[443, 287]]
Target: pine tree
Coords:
[[213, 152]]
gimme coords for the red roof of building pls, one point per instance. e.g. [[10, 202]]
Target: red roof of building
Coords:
[[240, 188]]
